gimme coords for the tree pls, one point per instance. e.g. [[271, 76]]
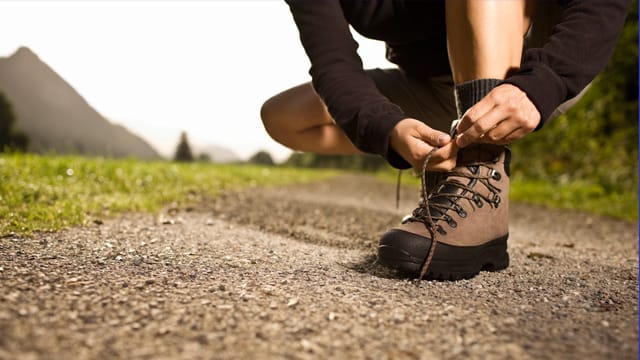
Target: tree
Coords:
[[597, 140], [364, 162], [10, 137], [183, 151], [262, 158], [204, 157]]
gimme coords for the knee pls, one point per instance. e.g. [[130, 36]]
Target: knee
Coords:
[[268, 114]]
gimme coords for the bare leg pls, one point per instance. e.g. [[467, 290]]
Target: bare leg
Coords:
[[297, 118], [485, 37]]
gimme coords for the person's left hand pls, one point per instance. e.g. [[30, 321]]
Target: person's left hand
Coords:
[[506, 114]]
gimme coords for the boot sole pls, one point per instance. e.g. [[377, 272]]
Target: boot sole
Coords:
[[407, 252]]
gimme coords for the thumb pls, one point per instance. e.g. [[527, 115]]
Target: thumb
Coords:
[[433, 137]]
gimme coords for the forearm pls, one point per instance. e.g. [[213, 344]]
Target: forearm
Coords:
[[352, 98], [580, 47]]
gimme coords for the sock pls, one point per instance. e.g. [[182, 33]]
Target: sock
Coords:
[[470, 92]]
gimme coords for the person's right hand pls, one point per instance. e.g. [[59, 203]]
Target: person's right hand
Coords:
[[413, 140]]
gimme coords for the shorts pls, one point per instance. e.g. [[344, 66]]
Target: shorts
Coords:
[[431, 101]]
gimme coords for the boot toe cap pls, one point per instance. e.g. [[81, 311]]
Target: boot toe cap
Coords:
[[403, 250]]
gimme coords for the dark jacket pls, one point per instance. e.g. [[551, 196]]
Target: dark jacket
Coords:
[[579, 47]]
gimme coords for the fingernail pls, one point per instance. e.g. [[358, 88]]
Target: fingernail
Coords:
[[443, 139], [461, 141]]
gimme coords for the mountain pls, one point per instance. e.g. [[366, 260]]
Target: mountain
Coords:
[[216, 154], [56, 117]]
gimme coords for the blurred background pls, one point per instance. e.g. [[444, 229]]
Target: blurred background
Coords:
[[128, 77], [184, 80]]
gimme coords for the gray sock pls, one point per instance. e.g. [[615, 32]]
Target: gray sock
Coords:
[[468, 94]]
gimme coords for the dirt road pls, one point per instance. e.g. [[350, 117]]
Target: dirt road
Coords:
[[289, 273]]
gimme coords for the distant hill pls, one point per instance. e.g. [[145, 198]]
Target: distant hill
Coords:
[[217, 154], [56, 117]]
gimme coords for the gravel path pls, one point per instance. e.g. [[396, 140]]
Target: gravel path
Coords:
[[290, 273]]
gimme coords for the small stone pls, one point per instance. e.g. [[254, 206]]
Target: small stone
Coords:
[[119, 258], [292, 302], [332, 316], [268, 290], [137, 261], [605, 323], [98, 222]]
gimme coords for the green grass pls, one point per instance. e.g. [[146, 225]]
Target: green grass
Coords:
[[47, 193], [580, 196], [576, 196]]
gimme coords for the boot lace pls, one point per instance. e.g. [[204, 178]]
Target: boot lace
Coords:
[[432, 209]]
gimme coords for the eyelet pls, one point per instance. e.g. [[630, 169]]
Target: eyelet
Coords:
[[476, 199], [496, 200], [440, 230], [495, 175]]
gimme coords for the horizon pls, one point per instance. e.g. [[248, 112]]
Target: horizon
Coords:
[[216, 60]]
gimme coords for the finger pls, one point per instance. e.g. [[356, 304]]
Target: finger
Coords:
[[499, 133], [474, 113], [481, 127], [444, 159], [432, 136], [515, 135], [446, 152]]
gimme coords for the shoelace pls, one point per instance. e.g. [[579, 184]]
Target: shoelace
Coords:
[[424, 203], [423, 212]]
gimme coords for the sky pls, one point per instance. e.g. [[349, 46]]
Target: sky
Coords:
[[161, 67]]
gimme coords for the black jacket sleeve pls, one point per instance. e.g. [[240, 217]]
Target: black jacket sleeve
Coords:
[[365, 115], [579, 48]]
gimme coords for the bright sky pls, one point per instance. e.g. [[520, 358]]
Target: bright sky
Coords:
[[160, 67]]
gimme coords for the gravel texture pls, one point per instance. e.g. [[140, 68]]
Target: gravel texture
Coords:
[[290, 273]]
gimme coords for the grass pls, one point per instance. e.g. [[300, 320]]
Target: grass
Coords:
[[575, 196], [47, 193], [581, 196]]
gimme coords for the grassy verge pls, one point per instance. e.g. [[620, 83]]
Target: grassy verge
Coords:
[[575, 195], [579, 196], [45, 193]]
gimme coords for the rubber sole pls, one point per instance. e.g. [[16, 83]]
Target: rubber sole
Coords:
[[407, 252]]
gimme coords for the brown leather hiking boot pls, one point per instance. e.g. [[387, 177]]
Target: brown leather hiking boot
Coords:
[[462, 227]]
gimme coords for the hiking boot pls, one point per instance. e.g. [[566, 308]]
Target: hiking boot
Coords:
[[462, 226]]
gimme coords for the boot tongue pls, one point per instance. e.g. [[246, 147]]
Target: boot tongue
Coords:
[[473, 154], [450, 189]]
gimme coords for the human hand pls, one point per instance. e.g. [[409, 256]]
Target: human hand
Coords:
[[413, 140], [506, 114]]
